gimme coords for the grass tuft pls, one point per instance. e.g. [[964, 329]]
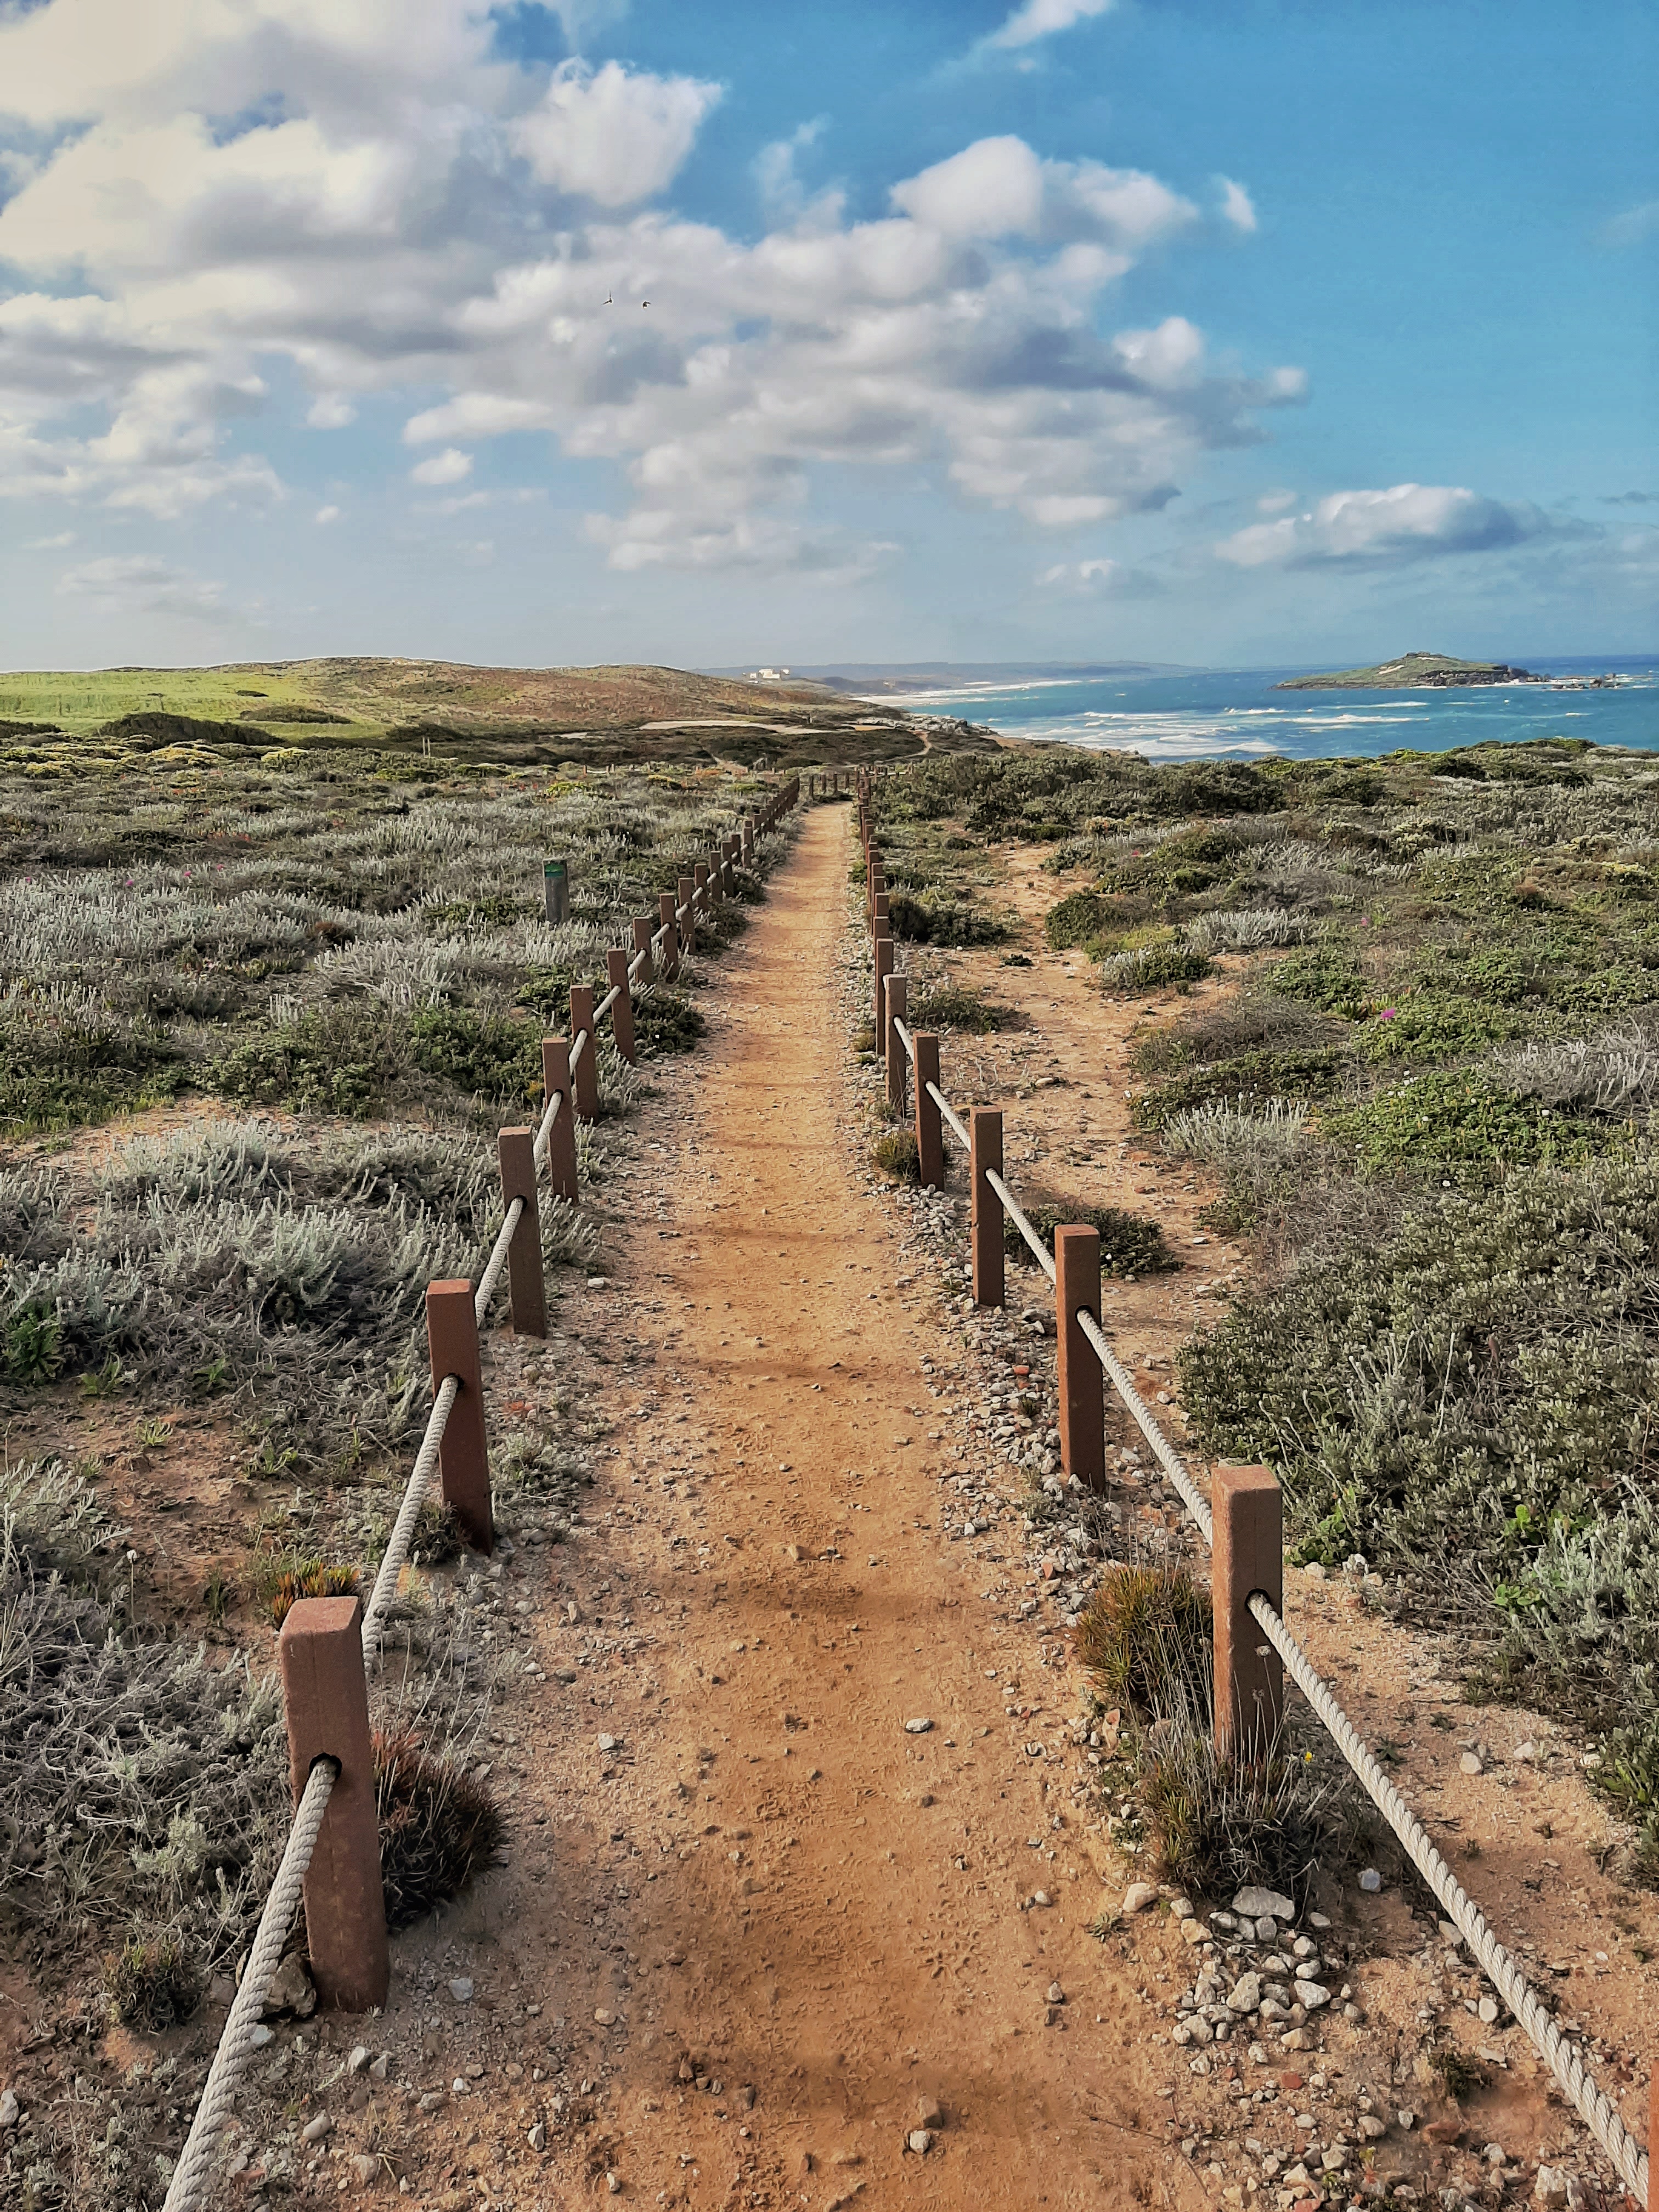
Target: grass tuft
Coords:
[[440, 1827]]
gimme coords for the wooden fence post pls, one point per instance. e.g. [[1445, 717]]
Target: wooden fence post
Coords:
[[700, 883], [621, 1009], [526, 1286], [883, 952], [670, 937], [930, 1128], [584, 1075], [1247, 1555], [452, 1335], [985, 1230], [689, 941], [321, 1655], [892, 1045], [1081, 1391], [642, 944], [561, 1137]]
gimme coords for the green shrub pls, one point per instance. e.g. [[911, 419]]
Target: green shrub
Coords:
[[1459, 1118], [1130, 1243], [63, 1072], [1255, 1079], [1080, 919], [1158, 967], [665, 1021], [488, 1056], [151, 1984], [1146, 1636], [953, 1007], [897, 1155], [937, 921], [336, 1061], [1324, 976]]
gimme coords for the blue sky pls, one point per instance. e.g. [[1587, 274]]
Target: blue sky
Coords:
[[1222, 332]]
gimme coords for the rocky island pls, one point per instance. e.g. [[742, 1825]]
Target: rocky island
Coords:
[[1414, 672]]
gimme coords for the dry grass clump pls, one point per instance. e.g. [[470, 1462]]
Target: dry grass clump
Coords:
[[1145, 1635], [1130, 1243], [1218, 1823], [440, 1827], [897, 1155], [151, 1984], [313, 1578]]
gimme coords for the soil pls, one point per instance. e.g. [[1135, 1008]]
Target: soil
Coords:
[[757, 1936]]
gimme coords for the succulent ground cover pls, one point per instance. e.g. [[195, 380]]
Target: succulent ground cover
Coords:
[[304, 991], [1428, 1100]]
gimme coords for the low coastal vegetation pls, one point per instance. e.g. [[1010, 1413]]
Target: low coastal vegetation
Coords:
[[1424, 1080]]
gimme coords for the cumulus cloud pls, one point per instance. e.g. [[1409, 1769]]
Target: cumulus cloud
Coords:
[[611, 134], [366, 195], [1237, 207], [1040, 19], [1408, 522], [451, 467], [1098, 578], [326, 514], [142, 585], [782, 193], [1633, 225]]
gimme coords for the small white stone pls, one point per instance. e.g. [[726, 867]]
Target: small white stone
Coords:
[[920, 1726], [461, 1989], [1493, 2153], [1471, 1763], [1246, 1995], [1264, 1903], [538, 2136], [258, 2035], [1406, 2117], [458, 2088], [314, 2130], [1312, 1995], [1370, 1881], [359, 2058], [378, 2068], [364, 2166], [1138, 1895], [920, 2140], [9, 2108], [1487, 2011]]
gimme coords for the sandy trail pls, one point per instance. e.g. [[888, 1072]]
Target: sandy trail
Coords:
[[760, 1877]]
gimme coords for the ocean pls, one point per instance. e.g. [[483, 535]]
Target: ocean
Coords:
[[1199, 714]]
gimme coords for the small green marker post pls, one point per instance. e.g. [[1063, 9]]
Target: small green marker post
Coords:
[[555, 890]]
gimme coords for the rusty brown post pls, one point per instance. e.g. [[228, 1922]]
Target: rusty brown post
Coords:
[[930, 1128], [700, 883], [561, 1137], [882, 912], [689, 941], [320, 1656], [452, 1336], [748, 840], [584, 1075], [985, 1230], [526, 1286], [892, 1045], [622, 1007], [1247, 1555], [670, 937], [883, 951], [1082, 1396], [642, 944]]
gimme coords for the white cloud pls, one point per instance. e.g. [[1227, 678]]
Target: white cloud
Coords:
[[1275, 502], [1236, 206], [782, 194], [1407, 522], [451, 467], [143, 585], [610, 135], [1040, 19], [1098, 578], [1630, 228], [49, 544], [410, 215], [326, 514]]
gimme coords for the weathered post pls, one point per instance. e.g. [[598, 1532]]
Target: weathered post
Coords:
[[882, 912], [748, 840], [985, 1229], [452, 1335], [585, 1075], [700, 885], [892, 1045], [883, 952], [561, 1135], [526, 1286], [320, 1656], [1247, 1555], [642, 934], [622, 1007], [689, 941], [556, 890], [930, 1128], [670, 938], [1082, 1398]]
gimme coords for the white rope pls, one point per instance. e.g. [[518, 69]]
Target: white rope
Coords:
[[945, 1109], [1197, 1504], [606, 1003], [905, 1038], [1045, 1259], [1500, 1969], [636, 965], [403, 1529], [197, 2159], [497, 1262], [583, 1040]]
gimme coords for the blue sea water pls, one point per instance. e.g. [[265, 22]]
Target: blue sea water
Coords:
[[1199, 713]]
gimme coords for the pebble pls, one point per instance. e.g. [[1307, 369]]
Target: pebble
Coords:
[[461, 1989], [1370, 1881], [931, 2113], [1487, 2010], [604, 2019], [538, 2136], [1056, 1995], [918, 1726], [364, 2166], [918, 2140], [1138, 1895], [1246, 1994], [1470, 1764], [359, 2058], [1263, 1905], [258, 2036], [314, 2130], [9, 2108], [1312, 1995], [1193, 1931], [1040, 1897]]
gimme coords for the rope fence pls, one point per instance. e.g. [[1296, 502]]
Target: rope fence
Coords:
[[327, 1645], [1241, 1521]]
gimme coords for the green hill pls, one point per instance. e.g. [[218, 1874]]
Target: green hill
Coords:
[[1413, 672]]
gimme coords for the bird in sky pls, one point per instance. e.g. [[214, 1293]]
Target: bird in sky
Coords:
[[645, 303], [609, 301]]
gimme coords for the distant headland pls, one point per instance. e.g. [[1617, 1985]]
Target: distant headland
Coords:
[[1414, 672]]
